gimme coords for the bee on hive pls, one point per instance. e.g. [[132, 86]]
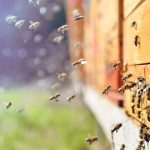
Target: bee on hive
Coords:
[[77, 15]]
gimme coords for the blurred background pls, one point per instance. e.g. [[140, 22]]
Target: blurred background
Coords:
[[29, 63]]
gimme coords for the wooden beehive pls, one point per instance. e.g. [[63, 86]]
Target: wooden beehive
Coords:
[[136, 54]]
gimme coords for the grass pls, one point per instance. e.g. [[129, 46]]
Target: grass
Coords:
[[43, 125]]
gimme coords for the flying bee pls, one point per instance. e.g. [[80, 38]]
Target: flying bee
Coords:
[[11, 19], [55, 97], [130, 85], [115, 129], [106, 89], [91, 139], [34, 25], [77, 15], [63, 28], [58, 39], [134, 24], [34, 2], [124, 78], [62, 76], [122, 147], [19, 24], [79, 62], [116, 65], [69, 99], [7, 105]]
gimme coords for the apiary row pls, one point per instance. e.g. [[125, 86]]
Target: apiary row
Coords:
[[112, 31]]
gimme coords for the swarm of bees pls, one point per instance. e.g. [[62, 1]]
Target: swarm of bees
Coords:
[[77, 15], [79, 62], [91, 139], [20, 23], [63, 28], [7, 105]]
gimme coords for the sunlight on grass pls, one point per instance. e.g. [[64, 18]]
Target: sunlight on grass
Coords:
[[43, 125]]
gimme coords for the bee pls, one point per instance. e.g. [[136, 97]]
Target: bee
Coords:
[[124, 78], [106, 89], [55, 97], [58, 39], [116, 65], [61, 76], [133, 97], [115, 129], [7, 105], [147, 90], [63, 28], [147, 109], [137, 40], [122, 89], [79, 62], [77, 15], [69, 99], [141, 79], [91, 139], [141, 145], [34, 25], [130, 85], [11, 19], [139, 114], [34, 2], [134, 24], [122, 147], [19, 24], [133, 108]]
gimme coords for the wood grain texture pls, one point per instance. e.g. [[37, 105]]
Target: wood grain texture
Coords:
[[137, 54], [129, 5]]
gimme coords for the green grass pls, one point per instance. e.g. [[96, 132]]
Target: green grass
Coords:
[[43, 125]]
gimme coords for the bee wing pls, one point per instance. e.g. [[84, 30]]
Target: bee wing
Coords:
[[31, 22]]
